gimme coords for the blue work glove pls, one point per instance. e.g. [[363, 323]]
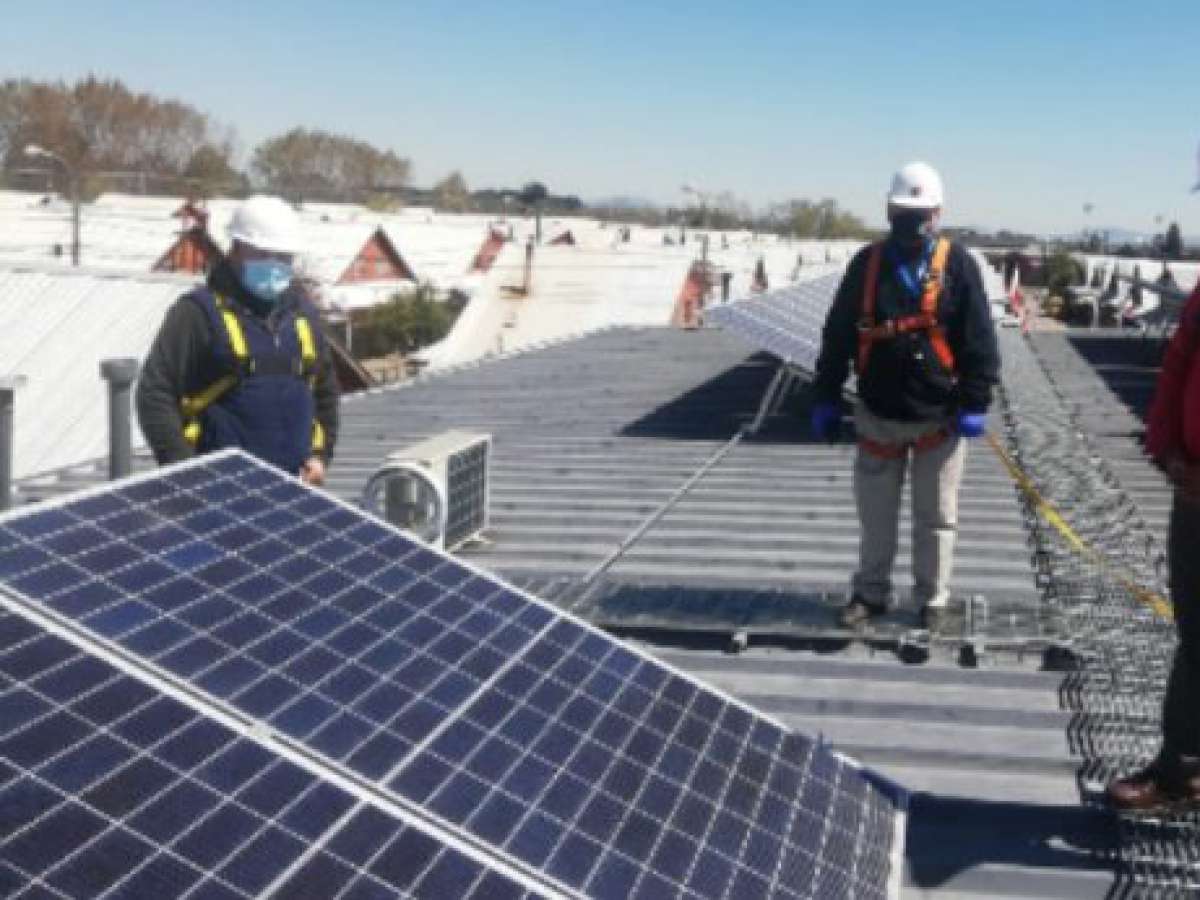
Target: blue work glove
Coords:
[[972, 424], [827, 421]]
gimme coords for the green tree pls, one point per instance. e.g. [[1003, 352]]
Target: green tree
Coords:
[[210, 172], [534, 195], [406, 322], [451, 193], [1173, 243], [303, 164], [1062, 271], [817, 219], [383, 202]]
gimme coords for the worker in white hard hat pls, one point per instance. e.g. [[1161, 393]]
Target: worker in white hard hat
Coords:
[[241, 361], [912, 317]]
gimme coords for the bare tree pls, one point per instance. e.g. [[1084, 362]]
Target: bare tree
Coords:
[[100, 125]]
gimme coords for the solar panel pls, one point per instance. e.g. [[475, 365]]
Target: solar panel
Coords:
[[466, 493], [109, 787], [487, 716], [786, 322]]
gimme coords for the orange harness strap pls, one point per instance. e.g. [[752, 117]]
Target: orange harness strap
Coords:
[[897, 451], [929, 302], [867, 319], [926, 320]]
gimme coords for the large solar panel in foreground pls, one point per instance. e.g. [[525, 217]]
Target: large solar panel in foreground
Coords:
[[786, 322], [518, 741], [109, 787]]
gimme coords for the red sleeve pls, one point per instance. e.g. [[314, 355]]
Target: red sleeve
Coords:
[[1164, 422]]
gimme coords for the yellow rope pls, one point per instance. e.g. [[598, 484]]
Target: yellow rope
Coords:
[[1155, 601]]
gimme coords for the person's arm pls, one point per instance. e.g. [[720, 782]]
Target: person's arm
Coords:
[[1164, 421], [977, 355], [168, 371], [325, 401], [326, 396], [839, 338]]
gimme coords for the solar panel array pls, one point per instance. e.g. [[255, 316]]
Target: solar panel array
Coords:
[[111, 788], [263, 687], [786, 322]]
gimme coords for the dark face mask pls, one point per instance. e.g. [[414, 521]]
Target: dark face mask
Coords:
[[912, 227]]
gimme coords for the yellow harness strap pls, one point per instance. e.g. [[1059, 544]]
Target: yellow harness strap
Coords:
[[308, 355], [193, 405], [233, 327], [308, 346]]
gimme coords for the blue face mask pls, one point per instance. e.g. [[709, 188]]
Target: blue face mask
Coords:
[[266, 279]]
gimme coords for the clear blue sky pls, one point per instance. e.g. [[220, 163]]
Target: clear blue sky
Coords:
[[1029, 107]]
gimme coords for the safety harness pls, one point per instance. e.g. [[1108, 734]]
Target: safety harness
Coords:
[[926, 319], [899, 451], [870, 331], [193, 406]]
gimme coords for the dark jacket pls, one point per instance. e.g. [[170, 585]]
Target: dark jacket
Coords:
[[182, 357], [904, 380]]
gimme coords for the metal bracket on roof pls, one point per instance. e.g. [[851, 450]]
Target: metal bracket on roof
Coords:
[[974, 639]]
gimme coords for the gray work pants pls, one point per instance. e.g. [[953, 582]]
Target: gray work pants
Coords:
[[878, 482]]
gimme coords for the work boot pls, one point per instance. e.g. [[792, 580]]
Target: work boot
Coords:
[[859, 611], [1157, 786]]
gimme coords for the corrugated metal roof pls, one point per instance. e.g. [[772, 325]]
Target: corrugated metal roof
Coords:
[[592, 434], [57, 327]]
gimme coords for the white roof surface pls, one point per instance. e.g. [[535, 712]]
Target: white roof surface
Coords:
[[1186, 274], [130, 234], [993, 279], [56, 326], [600, 283], [115, 239]]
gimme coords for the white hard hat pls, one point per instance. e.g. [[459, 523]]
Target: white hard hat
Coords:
[[916, 186], [266, 223]]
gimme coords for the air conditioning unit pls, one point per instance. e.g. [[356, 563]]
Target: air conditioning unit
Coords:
[[436, 489]]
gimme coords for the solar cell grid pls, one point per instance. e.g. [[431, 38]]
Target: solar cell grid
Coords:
[[363, 661], [530, 732], [786, 322], [621, 779], [111, 789]]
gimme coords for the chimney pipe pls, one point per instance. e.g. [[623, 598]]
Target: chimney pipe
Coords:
[[119, 373]]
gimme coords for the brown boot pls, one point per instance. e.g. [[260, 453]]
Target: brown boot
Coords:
[[1158, 786], [859, 611]]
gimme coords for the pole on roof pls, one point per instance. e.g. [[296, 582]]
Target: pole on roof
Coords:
[[75, 201], [8, 390], [119, 373]]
